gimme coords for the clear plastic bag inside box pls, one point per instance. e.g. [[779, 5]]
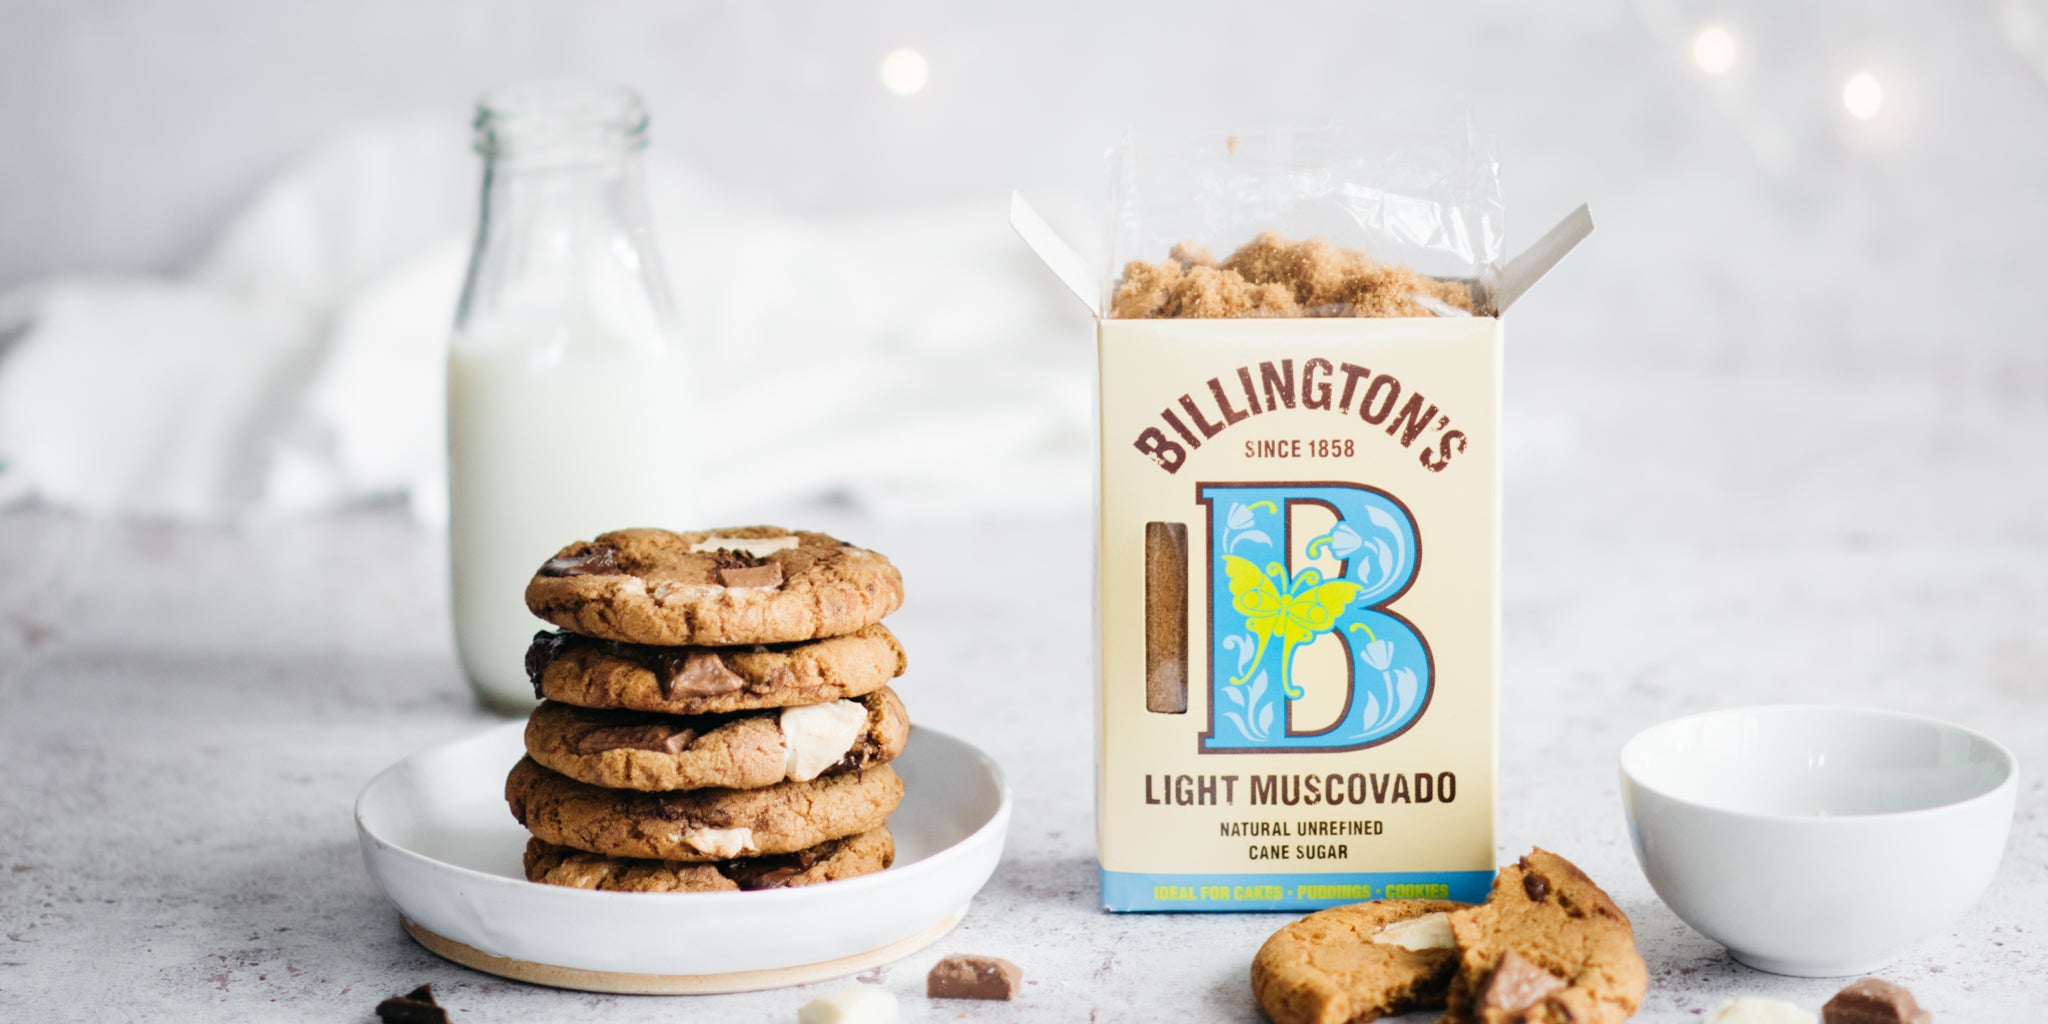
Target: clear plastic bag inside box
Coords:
[[1325, 210]]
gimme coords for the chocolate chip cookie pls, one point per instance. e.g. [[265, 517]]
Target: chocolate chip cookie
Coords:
[[700, 825], [708, 680], [749, 585], [829, 861], [747, 750], [1547, 947], [1357, 963]]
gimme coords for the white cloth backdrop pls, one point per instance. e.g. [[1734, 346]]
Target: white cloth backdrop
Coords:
[[297, 366]]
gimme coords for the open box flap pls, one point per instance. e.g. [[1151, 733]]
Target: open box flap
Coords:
[[1513, 281], [1536, 261], [1059, 257]]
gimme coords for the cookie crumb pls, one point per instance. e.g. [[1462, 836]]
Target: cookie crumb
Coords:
[[968, 976], [414, 1007]]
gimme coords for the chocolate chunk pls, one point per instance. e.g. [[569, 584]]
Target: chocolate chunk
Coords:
[[689, 809], [1517, 984], [769, 872], [727, 558], [414, 1007], [656, 736], [769, 575], [967, 976], [773, 878], [546, 647], [1874, 1001], [595, 560], [696, 673], [1535, 885]]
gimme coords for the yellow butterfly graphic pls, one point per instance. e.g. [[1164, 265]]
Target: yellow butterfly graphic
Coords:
[[1295, 610]]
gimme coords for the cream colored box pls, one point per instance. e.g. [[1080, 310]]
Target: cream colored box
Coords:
[[1337, 486], [1299, 603]]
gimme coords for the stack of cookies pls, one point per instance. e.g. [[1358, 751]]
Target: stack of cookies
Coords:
[[715, 712]]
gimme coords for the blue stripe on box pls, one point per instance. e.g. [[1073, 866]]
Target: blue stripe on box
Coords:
[[1210, 893]]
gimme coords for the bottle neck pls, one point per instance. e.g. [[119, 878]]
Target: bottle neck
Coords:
[[565, 243]]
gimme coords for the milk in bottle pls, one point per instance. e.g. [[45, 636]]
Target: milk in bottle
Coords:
[[568, 387]]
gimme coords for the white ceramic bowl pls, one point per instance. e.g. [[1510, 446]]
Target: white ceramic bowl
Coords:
[[438, 840], [1817, 841]]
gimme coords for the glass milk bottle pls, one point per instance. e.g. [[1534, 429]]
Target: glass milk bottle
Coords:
[[568, 385]]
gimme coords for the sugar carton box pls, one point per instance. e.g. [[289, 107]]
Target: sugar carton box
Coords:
[[1299, 603]]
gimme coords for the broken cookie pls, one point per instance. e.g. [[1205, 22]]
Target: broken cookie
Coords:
[[1357, 963], [1547, 947]]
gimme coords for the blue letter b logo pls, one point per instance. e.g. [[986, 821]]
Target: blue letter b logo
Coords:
[[1300, 621]]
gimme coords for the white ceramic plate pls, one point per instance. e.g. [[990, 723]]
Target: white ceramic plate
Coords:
[[439, 842]]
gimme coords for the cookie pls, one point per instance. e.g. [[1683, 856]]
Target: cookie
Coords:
[[749, 585], [1357, 963], [709, 680], [748, 750], [829, 861], [699, 825], [1547, 947]]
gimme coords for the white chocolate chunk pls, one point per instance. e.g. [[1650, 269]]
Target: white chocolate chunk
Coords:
[[1430, 931], [816, 736], [1752, 1010], [721, 842], [759, 547], [863, 1005]]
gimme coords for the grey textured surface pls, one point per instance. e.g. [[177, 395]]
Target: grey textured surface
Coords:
[[186, 715]]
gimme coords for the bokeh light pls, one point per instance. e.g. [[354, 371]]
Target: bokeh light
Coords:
[[904, 72], [1863, 96], [1715, 50]]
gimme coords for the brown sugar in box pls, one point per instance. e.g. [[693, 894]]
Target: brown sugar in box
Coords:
[[1298, 572]]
